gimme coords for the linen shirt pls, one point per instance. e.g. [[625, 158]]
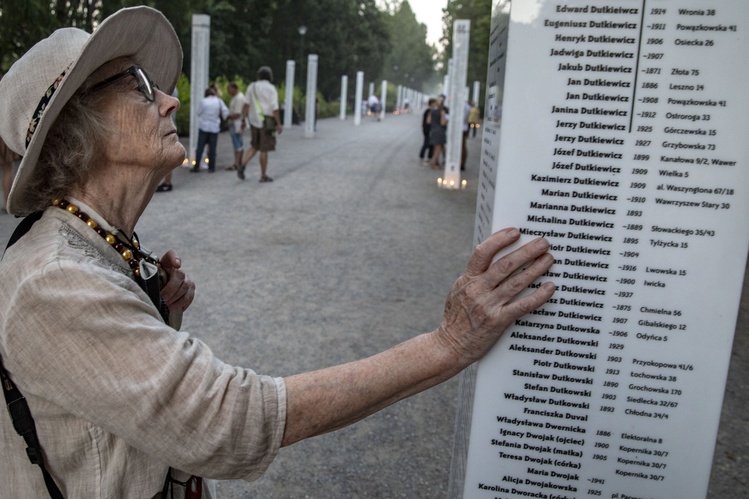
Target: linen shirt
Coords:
[[117, 395], [261, 92]]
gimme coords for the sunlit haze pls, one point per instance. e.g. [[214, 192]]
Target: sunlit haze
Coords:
[[429, 12]]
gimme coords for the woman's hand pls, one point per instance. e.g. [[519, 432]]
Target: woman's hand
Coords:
[[483, 301], [179, 290]]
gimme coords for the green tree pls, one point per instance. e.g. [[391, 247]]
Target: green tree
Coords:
[[410, 61], [348, 36], [25, 22], [179, 13], [479, 13]]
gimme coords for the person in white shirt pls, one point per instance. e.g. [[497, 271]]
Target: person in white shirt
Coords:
[[211, 111], [374, 106], [238, 109], [265, 121]]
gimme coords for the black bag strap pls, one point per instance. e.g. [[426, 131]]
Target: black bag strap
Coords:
[[18, 408], [23, 423], [23, 228]]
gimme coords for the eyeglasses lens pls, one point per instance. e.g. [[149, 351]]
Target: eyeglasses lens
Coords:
[[145, 85]]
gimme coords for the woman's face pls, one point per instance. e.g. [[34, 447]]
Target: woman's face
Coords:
[[143, 134]]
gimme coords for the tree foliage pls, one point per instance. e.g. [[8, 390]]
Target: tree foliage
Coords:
[[381, 38], [347, 36], [410, 61], [479, 13]]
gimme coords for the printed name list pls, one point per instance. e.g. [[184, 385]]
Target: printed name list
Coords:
[[619, 137]]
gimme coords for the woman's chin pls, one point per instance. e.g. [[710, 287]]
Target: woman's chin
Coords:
[[179, 156]]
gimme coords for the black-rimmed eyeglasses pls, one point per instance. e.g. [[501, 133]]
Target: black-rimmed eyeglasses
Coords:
[[145, 85]]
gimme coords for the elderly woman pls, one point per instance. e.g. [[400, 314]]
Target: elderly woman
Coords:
[[123, 404]]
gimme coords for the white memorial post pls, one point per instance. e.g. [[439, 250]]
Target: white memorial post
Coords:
[[617, 130], [371, 89], [309, 112], [476, 92], [456, 98], [446, 78], [358, 98], [383, 98], [201, 44], [344, 95], [288, 106]]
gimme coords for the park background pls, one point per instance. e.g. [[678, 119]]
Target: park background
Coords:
[[403, 451], [382, 38]]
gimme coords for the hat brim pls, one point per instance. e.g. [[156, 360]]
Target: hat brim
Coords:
[[141, 33]]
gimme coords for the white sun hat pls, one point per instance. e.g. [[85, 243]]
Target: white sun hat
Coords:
[[39, 84]]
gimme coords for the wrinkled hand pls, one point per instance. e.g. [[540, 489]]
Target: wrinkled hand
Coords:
[[482, 303], [179, 290]]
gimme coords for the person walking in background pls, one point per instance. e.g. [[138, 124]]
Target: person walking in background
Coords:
[[238, 109], [437, 121], [374, 106], [474, 115], [211, 111], [265, 121], [425, 129]]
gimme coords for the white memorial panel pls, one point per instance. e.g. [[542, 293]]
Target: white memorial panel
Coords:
[[200, 50], [617, 130], [358, 97], [288, 105], [310, 112], [456, 97], [344, 96], [383, 98]]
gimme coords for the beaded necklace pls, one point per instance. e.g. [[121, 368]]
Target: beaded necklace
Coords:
[[129, 251]]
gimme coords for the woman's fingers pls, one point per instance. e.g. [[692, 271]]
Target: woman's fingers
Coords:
[[179, 291], [521, 258], [486, 299]]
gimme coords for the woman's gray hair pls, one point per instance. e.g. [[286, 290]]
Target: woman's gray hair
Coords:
[[74, 145]]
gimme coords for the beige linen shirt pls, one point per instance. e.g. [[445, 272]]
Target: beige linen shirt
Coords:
[[117, 395]]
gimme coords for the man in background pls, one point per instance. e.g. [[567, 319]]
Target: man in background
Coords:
[[238, 109], [265, 121]]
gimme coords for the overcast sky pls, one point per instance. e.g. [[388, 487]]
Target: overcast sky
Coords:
[[429, 12]]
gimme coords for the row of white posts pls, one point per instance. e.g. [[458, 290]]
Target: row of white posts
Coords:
[[454, 89], [404, 93]]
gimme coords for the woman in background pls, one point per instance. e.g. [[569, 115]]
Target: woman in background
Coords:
[[437, 121]]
